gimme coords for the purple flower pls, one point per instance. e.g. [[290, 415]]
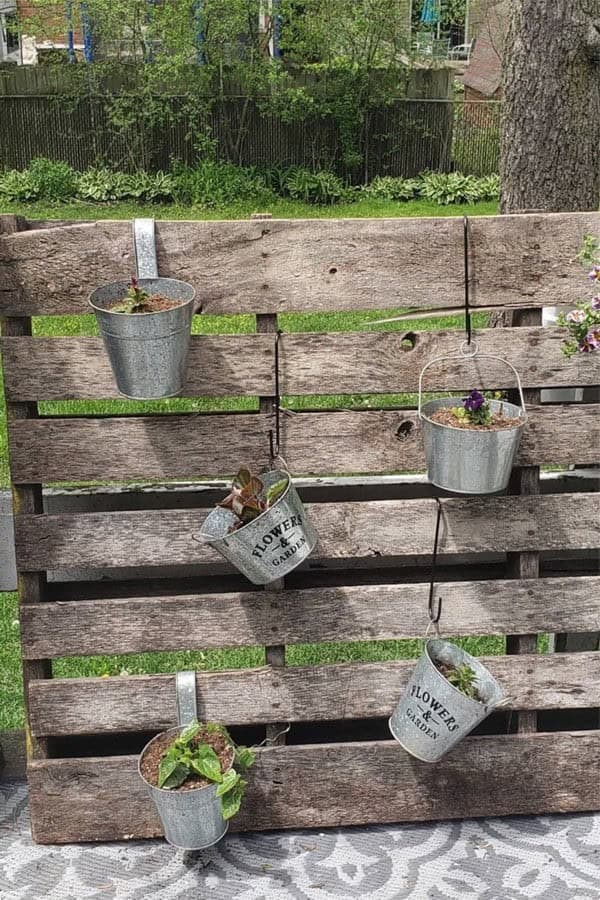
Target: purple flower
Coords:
[[474, 401], [592, 338], [594, 275], [576, 315], [595, 304]]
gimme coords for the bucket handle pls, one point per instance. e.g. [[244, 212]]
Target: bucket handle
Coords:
[[185, 686], [462, 354]]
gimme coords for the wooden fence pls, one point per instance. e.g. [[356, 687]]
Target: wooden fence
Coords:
[[403, 139], [366, 580]]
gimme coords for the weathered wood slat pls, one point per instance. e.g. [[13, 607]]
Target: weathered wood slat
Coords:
[[318, 443], [292, 694], [229, 365], [78, 368], [276, 266], [348, 530], [103, 799], [365, 612]]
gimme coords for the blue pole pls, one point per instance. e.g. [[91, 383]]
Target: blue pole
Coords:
[[199, 31], [276, 30], [70, 34], [88, 47]]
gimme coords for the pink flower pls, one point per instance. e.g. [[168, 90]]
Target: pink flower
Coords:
[[594, 275], [595, 304], [593, 338], [576, 315]]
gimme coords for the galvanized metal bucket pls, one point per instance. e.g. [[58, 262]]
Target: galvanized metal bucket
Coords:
[[147, 351], [469, 461], [191, 820], [433, 716], [270, 546]]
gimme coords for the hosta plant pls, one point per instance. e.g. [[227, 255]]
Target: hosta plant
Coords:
[[249, 498], [189, 757]]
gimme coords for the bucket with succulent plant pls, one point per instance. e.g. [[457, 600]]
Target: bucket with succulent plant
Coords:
[[145, 325], [261, 527], [471, 443], [449, 693], [195, 776]]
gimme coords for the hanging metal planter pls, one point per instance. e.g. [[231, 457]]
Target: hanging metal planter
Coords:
[[191, 820], [433, 715], [470, 461], [270, 546], [147, 351]]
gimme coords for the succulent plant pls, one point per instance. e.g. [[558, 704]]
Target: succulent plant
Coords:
[[249, 497]]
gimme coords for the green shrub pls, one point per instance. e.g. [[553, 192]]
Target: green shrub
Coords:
[[385, 187], [489, 187], [212, 184], [324, 188], [17, 187], [54, 181], [452, 187]]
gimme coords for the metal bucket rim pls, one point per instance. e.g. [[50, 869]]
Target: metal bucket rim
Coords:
[[172, 793], [212, 539], [522, 416], [160, 312], [470, 659]]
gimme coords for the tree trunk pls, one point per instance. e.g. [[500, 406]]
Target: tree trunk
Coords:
[[551, 136]]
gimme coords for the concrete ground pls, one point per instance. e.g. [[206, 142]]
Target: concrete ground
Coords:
[[546, 858]]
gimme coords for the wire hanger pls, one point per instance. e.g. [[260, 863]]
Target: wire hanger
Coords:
[[435, 615]]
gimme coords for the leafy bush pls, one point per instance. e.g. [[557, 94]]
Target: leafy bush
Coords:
[[53, 180], [385, 187], [489, 187], [104, 185], [445, 189], [324, 188], [212, 184], [17, 187]]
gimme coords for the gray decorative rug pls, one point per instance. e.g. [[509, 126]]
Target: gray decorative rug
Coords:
[[547, 858]]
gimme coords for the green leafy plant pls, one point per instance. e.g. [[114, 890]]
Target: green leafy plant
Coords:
[[134, 302], [188, 756], [475, 409], [249, 497], [463, 678], [389, 188], [17, 187], [449, 188], [54, 181], [583, 322], [325, 188]]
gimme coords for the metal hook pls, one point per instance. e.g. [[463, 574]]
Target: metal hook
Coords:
[[275, 438], [466, 249], [434, 617]]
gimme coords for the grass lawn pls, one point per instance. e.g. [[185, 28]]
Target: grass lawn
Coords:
[[11, 705]]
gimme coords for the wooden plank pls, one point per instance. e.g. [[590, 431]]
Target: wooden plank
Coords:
[[347, 530], [316, 443], [275, 694], [78, 368], [27, 500], [103, 799], [364, 612], [321, 265]]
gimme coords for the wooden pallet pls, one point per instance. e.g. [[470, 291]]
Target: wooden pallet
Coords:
[[367, 580]]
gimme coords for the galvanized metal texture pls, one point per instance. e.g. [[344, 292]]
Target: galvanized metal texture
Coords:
[[270, 546], [470, 461], [144, 241], [187, 708], [191, 820], [433, 716], [147, 351]]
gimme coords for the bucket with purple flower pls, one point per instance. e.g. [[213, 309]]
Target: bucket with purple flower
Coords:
[[471, 443]]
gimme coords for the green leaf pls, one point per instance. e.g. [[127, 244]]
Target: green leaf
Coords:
[[206, 763], [171, 774], [244, 757], [230, 779], [231, 802], [277, 490], [188, 733]]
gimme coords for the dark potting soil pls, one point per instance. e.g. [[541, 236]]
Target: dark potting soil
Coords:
[[151, 759], [499, 422], [151, 305], [446, 670]]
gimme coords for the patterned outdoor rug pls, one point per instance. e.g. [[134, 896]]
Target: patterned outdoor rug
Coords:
[[547, 858]]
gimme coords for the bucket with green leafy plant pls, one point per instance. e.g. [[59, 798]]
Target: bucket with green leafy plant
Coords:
[[195, 776], [450, 692], [261, 527]]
